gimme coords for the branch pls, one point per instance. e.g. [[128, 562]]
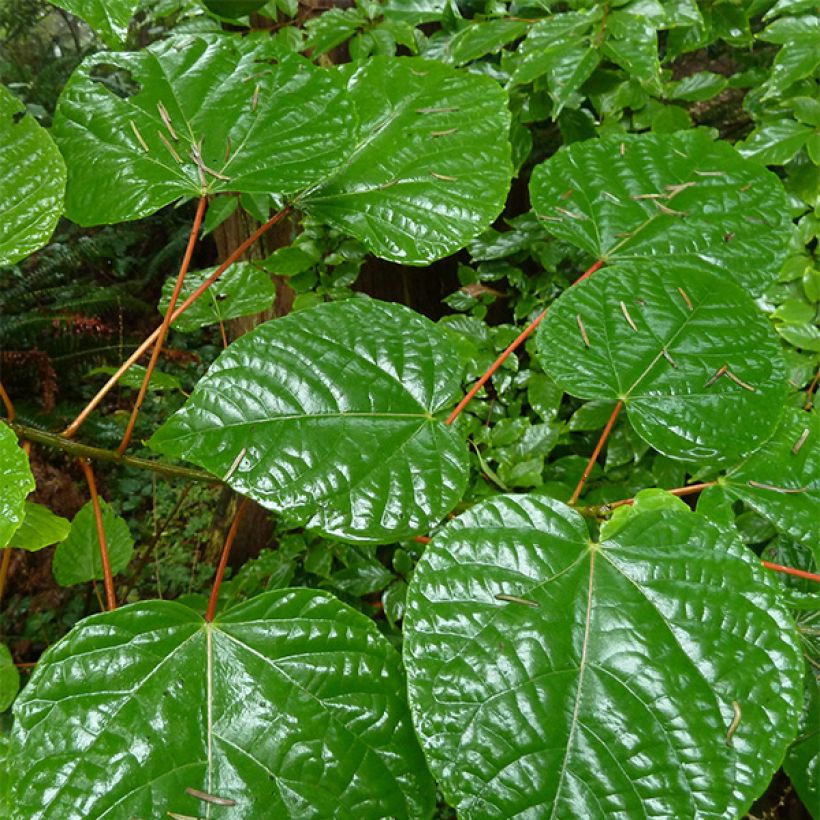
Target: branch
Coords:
[[146, 344], [595, 453], [108, 578], [74, 448], [166, 323], [522, 337], [223, 561]]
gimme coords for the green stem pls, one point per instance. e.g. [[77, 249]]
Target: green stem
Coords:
[[74, 448]]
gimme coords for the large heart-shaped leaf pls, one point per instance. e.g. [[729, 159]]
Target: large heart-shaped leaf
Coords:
[[132, 124], [32, 182], [781, 480], [667, 199], [329, 417], [40, 528], [16, 482], [243, 289], [109, 18], [552, 676], [432, 166], [696, 364], [289, 706], [77, 559]]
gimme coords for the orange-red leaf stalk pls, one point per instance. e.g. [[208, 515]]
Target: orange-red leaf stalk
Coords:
[[108, 578], [223, 561], [166, 323]]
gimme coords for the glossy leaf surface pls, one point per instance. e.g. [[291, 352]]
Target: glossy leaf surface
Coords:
[[16, 482], [432, 165], [643, 344], [32, 181], [671, 198], [40, 528], [258, 127], [573, 696], [290, 706], [109, 18], [77, 558], [243, 289], [781, 480], [329, 417], [561, 48]]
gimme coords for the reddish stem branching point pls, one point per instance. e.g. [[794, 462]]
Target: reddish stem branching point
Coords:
[[108, 578], [146, 344], [166, 323], [223, 561], [689, 489], [517, 342]]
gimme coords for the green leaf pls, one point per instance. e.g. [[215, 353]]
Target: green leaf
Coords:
[[109, 18], [605, 684], [432, 167], [328, 417], [233, 9], [481, 38], [16, 482], [632, 44], [648, 348], [32, 182], [242, 290], [332, 28], [799, 56], [40, 528], [802, 763], [277, 140], [781, 480], [776, 142], [702, 85], [77, 558], [669, 199], [559, 47], [134, 377], [9, 680], [291, 704]]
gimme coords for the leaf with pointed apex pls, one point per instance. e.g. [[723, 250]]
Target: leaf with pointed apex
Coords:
[[32, 182], [432, 168], [670, 199], [486, 37], [261, 128], [291, 704], [243, 289], [561, 48], [603, 684], [109, 18], [781, 480], [77, 559], [329, 417], [661, 367], [16, 482], [798, 57], [40, 528]]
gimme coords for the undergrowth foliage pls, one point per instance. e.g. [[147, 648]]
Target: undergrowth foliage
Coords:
[[495, 599]]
